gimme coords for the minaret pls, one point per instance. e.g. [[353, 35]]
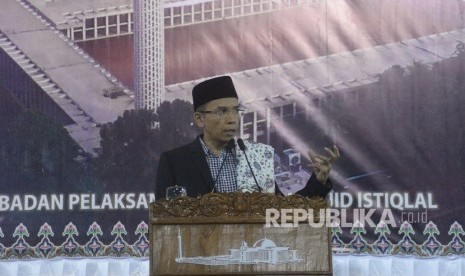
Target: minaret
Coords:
[[180, 257], [149, 54]]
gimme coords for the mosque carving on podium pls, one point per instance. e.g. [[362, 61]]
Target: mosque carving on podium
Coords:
[[262, 251]]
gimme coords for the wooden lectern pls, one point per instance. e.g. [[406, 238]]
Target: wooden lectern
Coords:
[[226, 234]]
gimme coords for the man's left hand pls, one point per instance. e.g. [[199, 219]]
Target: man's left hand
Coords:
[[321, 164]]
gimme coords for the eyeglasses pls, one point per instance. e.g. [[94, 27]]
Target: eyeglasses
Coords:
[[222, 112]]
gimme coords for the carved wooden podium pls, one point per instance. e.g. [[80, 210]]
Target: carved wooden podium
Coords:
[[226, 234]]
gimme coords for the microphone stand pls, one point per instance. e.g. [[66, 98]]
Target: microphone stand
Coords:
[[229, 146]]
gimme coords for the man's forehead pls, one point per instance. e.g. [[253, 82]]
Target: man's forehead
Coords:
[[225, 102]]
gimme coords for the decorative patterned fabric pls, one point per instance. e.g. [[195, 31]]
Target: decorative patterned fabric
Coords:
[[261, 158], [66, 245]]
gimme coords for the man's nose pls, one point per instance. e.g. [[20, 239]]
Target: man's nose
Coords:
[[231, 118]]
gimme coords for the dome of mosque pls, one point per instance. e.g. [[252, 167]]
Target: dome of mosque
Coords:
[[264, 243]]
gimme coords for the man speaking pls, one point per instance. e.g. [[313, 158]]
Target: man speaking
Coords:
[[216, 162]]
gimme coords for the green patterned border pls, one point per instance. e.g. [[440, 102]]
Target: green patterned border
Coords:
[[21, 249]]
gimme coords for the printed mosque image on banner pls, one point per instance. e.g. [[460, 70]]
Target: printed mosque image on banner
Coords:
[[263, 251]]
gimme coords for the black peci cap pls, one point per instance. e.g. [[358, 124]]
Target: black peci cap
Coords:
[[213, 89]]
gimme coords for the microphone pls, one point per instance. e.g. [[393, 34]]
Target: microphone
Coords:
[[241, 144], [229, 146]]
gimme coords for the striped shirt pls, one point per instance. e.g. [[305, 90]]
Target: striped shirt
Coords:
[[226, 181]]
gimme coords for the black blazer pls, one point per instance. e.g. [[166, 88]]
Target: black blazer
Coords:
[[187, 166]]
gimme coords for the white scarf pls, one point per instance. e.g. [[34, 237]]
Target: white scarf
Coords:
[[261, 158]]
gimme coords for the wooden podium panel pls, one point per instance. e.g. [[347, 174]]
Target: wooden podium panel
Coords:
[[226, 234]]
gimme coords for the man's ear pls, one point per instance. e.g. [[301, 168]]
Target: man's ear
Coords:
[[198, 120]]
